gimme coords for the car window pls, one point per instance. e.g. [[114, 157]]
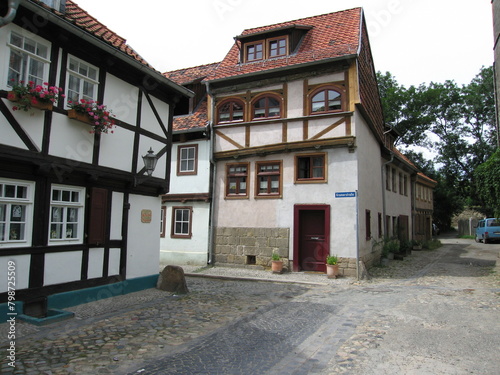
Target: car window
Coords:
[[493, 223]]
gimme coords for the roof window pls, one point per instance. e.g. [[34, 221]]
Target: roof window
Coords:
[[59, 5]]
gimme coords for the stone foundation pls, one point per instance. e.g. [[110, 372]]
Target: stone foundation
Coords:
[[251, 246]]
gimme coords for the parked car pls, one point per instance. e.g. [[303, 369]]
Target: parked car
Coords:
[[488, 230]]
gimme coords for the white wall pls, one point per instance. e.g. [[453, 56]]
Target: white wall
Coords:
[[143, 238], [194, 250], [21, 271], [188, 184], [62, 267]]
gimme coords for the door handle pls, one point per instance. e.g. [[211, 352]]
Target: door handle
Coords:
[[314, 238]]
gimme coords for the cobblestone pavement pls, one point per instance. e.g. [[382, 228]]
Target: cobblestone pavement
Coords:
[[436, 312]]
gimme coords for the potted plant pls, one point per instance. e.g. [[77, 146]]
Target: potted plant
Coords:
[[30, 95], [332, 267], [276, 264], [92, 113]]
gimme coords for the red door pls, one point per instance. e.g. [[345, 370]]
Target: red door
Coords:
[[311, 241]]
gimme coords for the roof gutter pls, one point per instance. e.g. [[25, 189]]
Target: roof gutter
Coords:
[[11, 13], [285, 68], [106, 47]]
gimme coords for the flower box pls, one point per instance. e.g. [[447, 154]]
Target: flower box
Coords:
[[34, 102], [79, 116]]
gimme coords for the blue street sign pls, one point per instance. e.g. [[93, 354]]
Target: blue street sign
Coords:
[[345, 194]]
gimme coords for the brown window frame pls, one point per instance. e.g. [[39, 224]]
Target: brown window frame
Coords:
[[179, 161], [267, 96], [238, 176], [368, 224], [311, 179], [323, 88], [231, 111], [253, 44], [277, 39], [173, 234], [268, 174], [394, 183]]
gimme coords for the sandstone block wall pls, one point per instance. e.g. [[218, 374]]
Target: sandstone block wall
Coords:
[[251, 246]]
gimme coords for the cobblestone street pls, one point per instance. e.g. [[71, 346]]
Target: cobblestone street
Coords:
[[436, 312]]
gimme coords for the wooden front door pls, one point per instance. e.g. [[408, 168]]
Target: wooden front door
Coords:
[[312, 237]]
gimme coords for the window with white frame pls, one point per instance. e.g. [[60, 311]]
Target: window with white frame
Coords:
[[163, 214], [16, 201], [187, 159], [82, 80], [181, 222], [28, 61], [66, 214]]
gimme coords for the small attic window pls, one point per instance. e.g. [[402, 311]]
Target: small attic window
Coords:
[[59, 5]]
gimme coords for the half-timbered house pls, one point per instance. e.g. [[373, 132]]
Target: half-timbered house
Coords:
[[78, 206], [300, 147]]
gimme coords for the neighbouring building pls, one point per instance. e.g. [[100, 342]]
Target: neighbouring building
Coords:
[[304, 165], [185, 212], [78, 211]]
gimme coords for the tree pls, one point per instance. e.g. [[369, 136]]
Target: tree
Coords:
[[487, 178], [456, 123]]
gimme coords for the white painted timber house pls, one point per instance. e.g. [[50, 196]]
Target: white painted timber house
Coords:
[[78, 211]]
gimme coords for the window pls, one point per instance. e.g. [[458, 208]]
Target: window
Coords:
[[277, 47], [380, 231], [28, 60], [405, 184], [236, 180], [394, 185], [254, 51], [266, 107], [163, 214], [82, 80], [401, 186], [181, 222], [368, 223], [187, 160], [387, 177], [265, 49], [16, 199], [268, 179], [325, 100], [310, 168], [230, 111], [66, 214]]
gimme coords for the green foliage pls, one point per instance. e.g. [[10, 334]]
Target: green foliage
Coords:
[[331, 259], [275, 256], [487, 179], [455, 123]]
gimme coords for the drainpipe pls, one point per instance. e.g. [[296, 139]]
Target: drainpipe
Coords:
[[11, 13], [213, 167]]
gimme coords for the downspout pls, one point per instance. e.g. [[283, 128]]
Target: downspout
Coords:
[[11, 13], [213, 167]]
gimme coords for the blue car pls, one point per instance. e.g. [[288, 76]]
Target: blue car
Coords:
[[488, 230]]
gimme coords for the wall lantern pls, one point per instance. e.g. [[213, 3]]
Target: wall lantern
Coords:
[[150, 161]]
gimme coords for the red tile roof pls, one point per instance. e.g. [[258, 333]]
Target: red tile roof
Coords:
[[332, 35], [86, 22], [197, 119], [190, 75]]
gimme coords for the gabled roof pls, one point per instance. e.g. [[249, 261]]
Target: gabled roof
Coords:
[[102, 37], [191, 75], [91, 25], [331, 36]]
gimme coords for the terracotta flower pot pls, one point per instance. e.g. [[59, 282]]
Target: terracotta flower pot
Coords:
[[277, 266], [332, 271]]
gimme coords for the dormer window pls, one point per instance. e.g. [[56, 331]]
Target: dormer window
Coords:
[[266, 49], [254, 51], [277, 47]]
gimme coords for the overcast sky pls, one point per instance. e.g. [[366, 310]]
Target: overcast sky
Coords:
[[416, 40]]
